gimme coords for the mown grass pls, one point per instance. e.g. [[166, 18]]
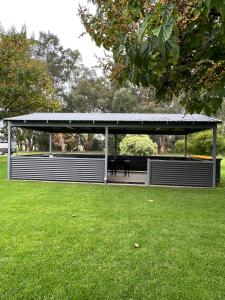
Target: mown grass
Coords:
[[74, 241]]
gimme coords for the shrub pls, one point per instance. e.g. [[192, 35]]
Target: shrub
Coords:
[[201, 143], [97, 145], [140, 145], [180, 146]]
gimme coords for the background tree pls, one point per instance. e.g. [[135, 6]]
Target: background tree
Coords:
[[63, 64], [124, 100], [25, 84], [177, 47], [64, 142], [89, 95], [65, 67], [202, 143], [93, 94]]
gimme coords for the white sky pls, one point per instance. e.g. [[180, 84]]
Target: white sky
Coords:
[[57, 16]]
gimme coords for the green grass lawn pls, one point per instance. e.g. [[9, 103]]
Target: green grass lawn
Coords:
[[74, 241]]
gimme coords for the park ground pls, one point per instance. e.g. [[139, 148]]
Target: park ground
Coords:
[[76, 241]]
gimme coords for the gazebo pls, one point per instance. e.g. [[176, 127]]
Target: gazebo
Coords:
[[174, 171]]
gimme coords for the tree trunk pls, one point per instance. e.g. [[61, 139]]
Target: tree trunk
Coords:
[[76, 136], [62, 143], [162, 145], [87, 143], [30, 144], [20, 145]]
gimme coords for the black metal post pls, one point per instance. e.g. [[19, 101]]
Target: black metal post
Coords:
[[9, 149], [185, 146], [106, 154], [148, 181], [214, 155], [115, 146], [50, 143]]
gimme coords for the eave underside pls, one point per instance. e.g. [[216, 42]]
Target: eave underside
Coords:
[[115, 128]]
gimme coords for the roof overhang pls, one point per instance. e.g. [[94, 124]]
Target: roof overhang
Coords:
[[178, 124]]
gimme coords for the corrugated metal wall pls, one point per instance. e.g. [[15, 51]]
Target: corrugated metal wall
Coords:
[[58, 169], [180, 173]]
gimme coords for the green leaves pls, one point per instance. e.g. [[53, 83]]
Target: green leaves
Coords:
[[173, 48], [201, 143], [25, 82], [140, 145], [62, 63], [135, 7], [146, 49], [117, 52], [165, 34], [202, 8], [165, 30], [130, 50], [144, 27], [177, 48]]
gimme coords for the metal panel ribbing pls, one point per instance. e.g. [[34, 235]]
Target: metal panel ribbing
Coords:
[[181, 173], [58, 169]]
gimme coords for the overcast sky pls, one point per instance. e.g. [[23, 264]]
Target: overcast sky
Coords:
[[57, 16]]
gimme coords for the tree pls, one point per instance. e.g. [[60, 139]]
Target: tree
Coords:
[[63, 64], [202, 143], [123, 101], [64, 141], [140, 145], [89, 95], [178, 47], [25, 84]]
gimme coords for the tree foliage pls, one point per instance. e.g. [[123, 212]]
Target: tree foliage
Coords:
[[140, 145], [97, 94], [25, 84], [202, 143], [63, 64], [178, 47], [89, 95]]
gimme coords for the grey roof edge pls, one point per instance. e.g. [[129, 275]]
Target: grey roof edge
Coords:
[[115, 117]]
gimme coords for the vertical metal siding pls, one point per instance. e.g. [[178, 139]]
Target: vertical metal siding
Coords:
[[181, 173], [58, 169]]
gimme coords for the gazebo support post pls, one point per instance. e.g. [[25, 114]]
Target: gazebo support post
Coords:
[[50, 143], [214, 155], [106, 154], [9, 149], [115, 146], [185, 146]]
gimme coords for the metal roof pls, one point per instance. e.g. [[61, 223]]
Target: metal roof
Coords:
[[115, 117], [117, 123]]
